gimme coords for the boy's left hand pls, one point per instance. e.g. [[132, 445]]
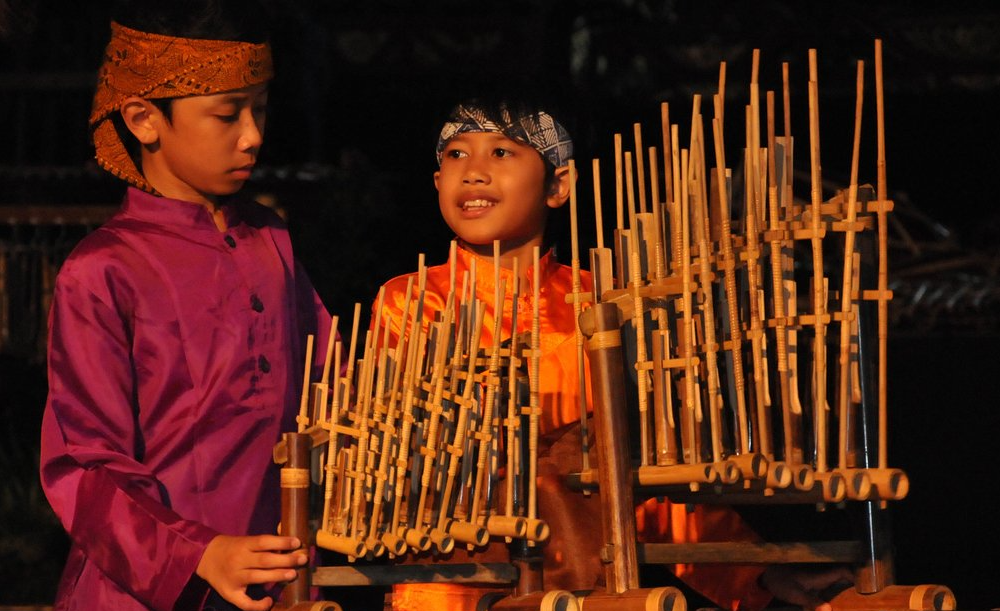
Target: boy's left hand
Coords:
[[802, 586]]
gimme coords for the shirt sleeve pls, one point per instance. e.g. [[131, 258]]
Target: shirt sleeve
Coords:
[[111, 504]]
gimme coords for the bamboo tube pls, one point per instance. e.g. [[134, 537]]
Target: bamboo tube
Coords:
[[331, 457], [295, 509], [859, 483], [664, 428], [924, 597], [702, 234], [638, 599], [475, 534], [303, 417], [883, 264], [640, 169], [819, 281], [600, 257], [638, 324], [361, 460], [674, 201], [752, 250], [321, 415], [433, 406], [668, 154], [577, 308], [492, 382], [687, 343], [618, 518], [721, 94], [630, 199], [535, 403], [550, 600], [393, 542], [777, 288], [621, 258], [513, 410], [846, 302], [729, 279], [413, 537], [659, 255]]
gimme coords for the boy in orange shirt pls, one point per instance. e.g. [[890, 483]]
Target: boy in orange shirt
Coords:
[[503, 168]]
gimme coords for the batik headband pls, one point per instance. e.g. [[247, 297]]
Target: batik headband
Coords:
[[155, 66], [540, 131]]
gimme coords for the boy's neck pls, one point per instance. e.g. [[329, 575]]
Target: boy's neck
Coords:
[[522, 252]]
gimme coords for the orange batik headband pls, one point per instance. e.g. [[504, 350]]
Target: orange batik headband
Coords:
[[155, 66]]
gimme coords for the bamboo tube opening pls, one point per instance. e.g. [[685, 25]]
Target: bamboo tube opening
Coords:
[[416, 539], [751, 465], [394, 544], [506, 526], [342, 545], [467, 532], [665, 598], [803, 476], [926, 597], [729, 472], [376, 549], [833, 485], [441, 540], [558, 600], [536, 529], [778, 475], [859, 484]]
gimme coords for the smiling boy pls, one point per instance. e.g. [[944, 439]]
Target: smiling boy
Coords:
[[176, 331]]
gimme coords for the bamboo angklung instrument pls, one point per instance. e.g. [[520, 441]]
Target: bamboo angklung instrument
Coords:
[[728, 265], [802, 474], [698, 191], [577, 308]]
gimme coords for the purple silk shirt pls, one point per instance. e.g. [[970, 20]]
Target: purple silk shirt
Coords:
[[175, 363]]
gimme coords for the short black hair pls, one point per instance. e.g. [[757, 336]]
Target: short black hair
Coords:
[[236, 20]]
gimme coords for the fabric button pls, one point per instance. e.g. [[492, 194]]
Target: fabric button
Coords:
[[256, 304], [263, 363], [231, 241]]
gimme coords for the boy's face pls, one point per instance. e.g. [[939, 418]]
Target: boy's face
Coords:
[[491, 187], [209, 145]]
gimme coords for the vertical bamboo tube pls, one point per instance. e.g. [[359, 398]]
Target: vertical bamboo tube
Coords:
[[846, 302], [618, 515], [883, 263], [577, 308], [819, 281], [295, 509], [729, 281]]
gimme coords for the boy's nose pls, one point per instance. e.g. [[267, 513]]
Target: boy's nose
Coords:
[[252, 134], [475, 174]]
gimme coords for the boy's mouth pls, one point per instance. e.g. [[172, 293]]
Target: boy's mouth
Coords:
[[478, 204]]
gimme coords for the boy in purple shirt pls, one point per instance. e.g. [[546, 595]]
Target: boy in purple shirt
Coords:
[[176, 332]]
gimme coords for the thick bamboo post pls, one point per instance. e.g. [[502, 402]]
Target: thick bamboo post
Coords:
[[295, 509], [608, 381]]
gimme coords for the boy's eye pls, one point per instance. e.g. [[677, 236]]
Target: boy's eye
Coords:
[[455, 154], [502, 152], [228, 117]]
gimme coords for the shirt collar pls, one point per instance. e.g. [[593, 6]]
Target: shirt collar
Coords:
[[173, 212], [485, 273]]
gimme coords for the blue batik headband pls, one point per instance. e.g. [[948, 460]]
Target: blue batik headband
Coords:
[[540, 131]]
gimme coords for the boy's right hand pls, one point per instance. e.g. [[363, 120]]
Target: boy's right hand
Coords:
[[230, 564]]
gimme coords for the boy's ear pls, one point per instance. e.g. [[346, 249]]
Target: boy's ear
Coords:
[[137, 114], [437, 178], [559, 192]]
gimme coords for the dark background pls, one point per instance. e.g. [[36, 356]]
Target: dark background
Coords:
[[354, 115]]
